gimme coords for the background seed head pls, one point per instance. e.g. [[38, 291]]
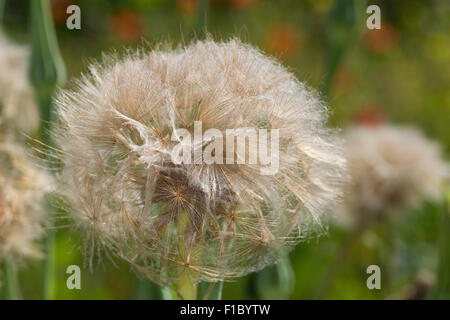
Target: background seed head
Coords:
[[18, 110], [22, 215], [392, 168]]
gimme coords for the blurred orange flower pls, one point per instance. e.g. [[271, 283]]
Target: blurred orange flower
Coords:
[[381, 40], [187, 6], [59, 9], [371, 115], [281, 39], [241, 4], [127, 25]]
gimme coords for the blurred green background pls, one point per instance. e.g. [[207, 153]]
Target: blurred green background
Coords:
[[400, 73]]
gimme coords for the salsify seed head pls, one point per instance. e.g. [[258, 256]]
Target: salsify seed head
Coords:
[[22, 214], [18, 110], [392, 168], [218, 220]]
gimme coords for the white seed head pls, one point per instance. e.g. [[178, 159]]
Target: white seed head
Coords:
[[392, 168], [18, 110], [219, 220], [22, 190]]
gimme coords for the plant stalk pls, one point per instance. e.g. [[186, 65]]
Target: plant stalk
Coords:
[[188, 279], [47, 72], [2, 11], [12, 287]]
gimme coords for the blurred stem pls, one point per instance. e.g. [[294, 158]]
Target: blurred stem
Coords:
[[339, 27], [2, 11], [442, 287], [47, 71], [146, 290], [389, 246], [188, 280], [47, 66], [202, 18], [12, 287], [49, 267], [286, 276], [342, 256], [211, 290], [277, 281]]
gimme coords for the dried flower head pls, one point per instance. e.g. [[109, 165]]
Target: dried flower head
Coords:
[[391, 168], [215, 220], [22, 189], [18, 110]]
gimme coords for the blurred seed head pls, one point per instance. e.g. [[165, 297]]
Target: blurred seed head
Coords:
[[218, 220], [392, 169], [22, 189], [18, 110]]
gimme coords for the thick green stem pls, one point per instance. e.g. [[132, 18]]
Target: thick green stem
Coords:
[[187, 285], [47, 71], [147, 290], [188, 279], [12, 287]]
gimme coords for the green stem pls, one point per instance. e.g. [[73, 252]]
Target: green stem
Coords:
[[47, 66], [49, 267], [277, 281], [211, 290], [12, 287], [187, 285], [188, 279], [2, 11], [47, 71], [441, 289], [147, 290], [339, 26], [342, 256], [202, 18]]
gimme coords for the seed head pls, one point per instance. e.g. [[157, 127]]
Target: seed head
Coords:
[[391, 168], [218, 220], [18, 111], [22, 189]]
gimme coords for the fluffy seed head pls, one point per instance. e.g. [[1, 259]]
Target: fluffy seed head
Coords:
[[391, 168], [217, 220], [22, 188], [18, 111]]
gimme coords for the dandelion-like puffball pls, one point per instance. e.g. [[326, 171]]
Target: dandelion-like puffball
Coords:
[[22, 190], [213, 220], [391, 168], [18, 110]]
